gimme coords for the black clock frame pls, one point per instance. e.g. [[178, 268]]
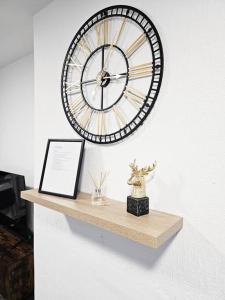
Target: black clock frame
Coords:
[[157, 74]]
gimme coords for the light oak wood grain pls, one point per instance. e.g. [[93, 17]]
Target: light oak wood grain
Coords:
[[152, 230]]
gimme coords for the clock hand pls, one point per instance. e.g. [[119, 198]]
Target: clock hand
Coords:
[[137, 71], [116, 76], [134, 72]]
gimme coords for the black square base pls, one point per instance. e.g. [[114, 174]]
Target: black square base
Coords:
[[138, 206]]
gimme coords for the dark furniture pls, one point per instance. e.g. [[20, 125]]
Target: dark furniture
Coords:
[[16, 249], [16, 266], [12, 207]]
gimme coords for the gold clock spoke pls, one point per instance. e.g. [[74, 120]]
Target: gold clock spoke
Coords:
[[134, 97], [101, 123], [135, 45], [119, 116], [140, 70]]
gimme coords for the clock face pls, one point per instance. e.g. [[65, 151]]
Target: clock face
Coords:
[[112, 74]]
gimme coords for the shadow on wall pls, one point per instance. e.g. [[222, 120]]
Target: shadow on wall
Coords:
[[141, 254], [175, 258]]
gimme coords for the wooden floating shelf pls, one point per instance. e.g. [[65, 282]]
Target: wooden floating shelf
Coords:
[[152, 230]]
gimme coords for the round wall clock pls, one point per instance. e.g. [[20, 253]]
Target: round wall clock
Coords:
[[112, 74]]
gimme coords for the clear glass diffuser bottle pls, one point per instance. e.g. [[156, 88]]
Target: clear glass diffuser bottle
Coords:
[[98, 192], [97, 196]]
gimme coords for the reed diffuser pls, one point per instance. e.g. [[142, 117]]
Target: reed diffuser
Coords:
[[97, 196]]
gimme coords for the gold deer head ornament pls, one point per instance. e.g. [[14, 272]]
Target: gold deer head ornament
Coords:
[[137, 179]]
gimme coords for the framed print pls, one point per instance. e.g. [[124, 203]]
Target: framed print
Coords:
[[61, 168]]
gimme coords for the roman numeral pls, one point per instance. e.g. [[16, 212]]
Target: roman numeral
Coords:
[[72, 87], [135, 45], [84, 45], [98, 34], [101, 126], [140, 70], [102, 32], [106, 31], [135, 97], [115, 40], [76, 105], [118, 34], [75, 63], [119, 116], [86, 118]]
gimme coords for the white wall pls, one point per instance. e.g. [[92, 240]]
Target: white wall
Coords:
[[185, 134], [16, 118]]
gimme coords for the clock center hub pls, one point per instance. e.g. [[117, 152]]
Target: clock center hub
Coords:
[[103, 78]]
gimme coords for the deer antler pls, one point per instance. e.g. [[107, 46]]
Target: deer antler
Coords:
[[134, 167], [146, 170], [143, 171]]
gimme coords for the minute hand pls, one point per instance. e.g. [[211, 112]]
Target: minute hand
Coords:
[[116, 76]]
